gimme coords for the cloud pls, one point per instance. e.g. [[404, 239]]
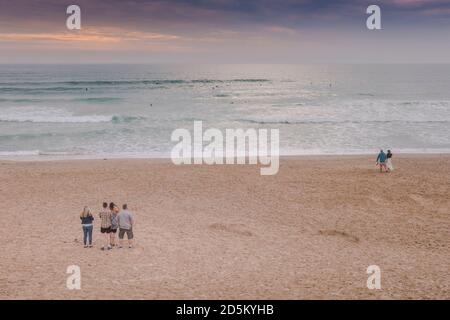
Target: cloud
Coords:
[[282, 30], [416, 3], [437, 12], [104, 35]]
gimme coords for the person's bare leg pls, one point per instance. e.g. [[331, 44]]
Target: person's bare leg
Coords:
[[112, 239], [107, 241], [130, 243]]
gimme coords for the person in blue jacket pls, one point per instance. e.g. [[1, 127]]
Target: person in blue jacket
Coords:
[[381, 160]]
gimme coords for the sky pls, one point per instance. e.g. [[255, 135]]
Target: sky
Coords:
[[224, 31]]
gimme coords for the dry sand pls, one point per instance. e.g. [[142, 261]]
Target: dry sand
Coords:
[[225, 232]]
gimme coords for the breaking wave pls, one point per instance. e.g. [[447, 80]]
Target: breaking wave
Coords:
[[56, 116]]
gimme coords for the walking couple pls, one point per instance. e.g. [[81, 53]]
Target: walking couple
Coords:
[[384, 161]]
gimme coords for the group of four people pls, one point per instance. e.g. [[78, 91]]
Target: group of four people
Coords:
[[111, 221]]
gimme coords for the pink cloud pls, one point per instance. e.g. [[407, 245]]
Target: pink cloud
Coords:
[[416, 3], [95, 35]]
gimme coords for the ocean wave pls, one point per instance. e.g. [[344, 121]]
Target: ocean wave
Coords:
[[84, 134], [10, 137], [37, 100], [98, 99], [67, 155], [19, 153], [119, 119], [20, 100], [38, 89], [28, 153], [83, 84], [288, 122], [57, 117]]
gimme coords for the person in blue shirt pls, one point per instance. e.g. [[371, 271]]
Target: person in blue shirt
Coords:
[[381, 160]]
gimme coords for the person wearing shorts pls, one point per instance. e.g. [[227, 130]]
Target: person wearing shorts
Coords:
[[126, 223], [105, 227], [381, 160], [114, 223]]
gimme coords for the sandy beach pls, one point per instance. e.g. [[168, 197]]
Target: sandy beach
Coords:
[[226, 232]]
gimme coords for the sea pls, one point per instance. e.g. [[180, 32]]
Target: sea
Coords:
[[131, 110]]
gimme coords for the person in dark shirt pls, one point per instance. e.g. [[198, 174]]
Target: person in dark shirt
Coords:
[[389, 165], [86, 223], [114, 223]]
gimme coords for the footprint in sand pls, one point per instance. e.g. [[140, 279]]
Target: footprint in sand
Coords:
[[238, 229], [421, 200], [337, 233], [429, 204], [377, 200]]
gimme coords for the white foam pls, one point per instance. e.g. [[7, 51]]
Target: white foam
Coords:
[[48, 115], [19, 153], [36, 155]]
